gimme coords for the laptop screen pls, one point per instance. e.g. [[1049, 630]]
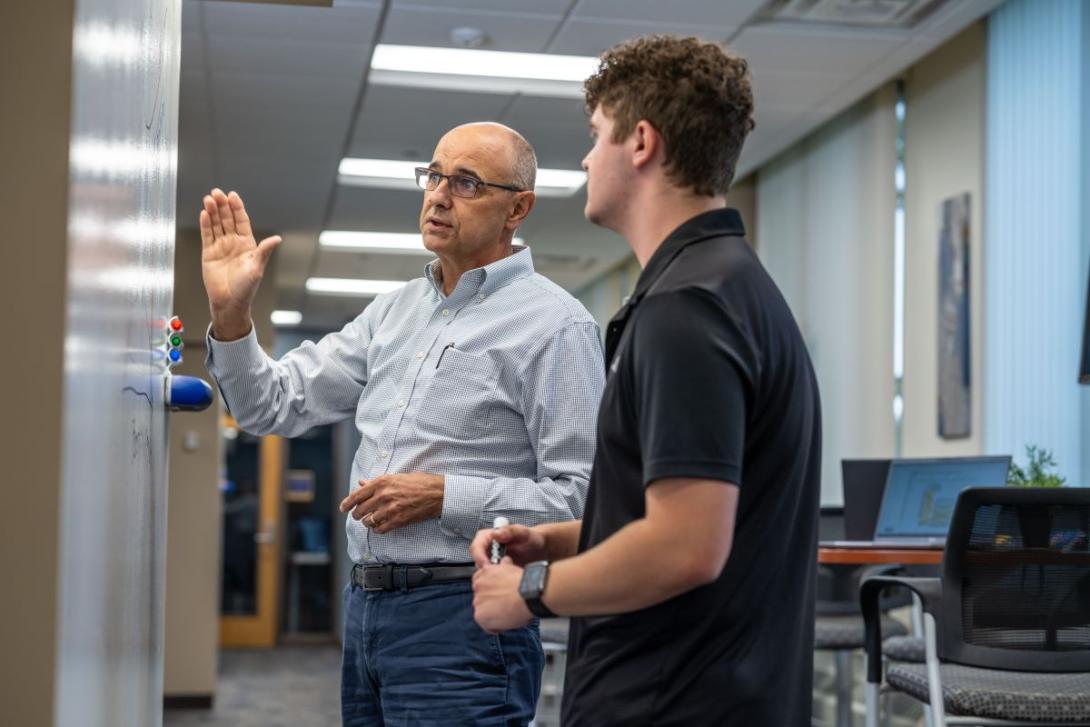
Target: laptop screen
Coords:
[[920, 493]]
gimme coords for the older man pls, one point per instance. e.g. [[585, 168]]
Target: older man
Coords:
[[474, 389]]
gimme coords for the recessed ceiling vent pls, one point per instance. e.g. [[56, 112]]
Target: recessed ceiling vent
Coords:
[[856, 13]]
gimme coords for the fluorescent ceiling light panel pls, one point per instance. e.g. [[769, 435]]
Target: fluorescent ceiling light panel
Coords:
[[286, 317], [351, 286], [566, 179], [471, 62], [395, 174], [388, 242], [394, 243], [481, 71]]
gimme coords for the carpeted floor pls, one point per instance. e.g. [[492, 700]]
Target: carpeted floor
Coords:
[[290, 686]]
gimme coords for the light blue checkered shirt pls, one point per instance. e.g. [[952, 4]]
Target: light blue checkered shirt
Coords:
[[508, 415]]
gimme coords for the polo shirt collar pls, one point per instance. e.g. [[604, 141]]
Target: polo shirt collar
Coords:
[[723, 222]]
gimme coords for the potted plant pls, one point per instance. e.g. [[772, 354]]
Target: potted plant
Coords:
[[1037, 472], [1036, 523]]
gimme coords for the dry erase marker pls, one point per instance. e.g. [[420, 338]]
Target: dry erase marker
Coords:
[[497, 548]]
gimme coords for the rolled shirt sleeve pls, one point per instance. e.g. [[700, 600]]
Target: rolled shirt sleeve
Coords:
[[316, 383]]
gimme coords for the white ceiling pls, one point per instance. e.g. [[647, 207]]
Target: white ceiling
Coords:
[[270, 101]]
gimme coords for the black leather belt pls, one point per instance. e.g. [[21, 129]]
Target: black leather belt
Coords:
[[393, 577]]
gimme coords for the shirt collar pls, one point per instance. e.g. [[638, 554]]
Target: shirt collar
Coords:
[[488, 279], [724, 222]]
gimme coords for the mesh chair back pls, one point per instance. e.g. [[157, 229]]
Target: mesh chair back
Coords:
[[1016, 581]]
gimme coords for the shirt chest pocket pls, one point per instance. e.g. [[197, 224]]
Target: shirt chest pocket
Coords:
[[458, 401]]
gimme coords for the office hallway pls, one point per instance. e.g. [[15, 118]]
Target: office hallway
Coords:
[[289, 686]]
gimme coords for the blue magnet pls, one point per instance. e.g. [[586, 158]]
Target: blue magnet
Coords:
[[188, 393]]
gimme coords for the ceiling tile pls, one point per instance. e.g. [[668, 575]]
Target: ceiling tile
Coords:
[[795, 90], [275, 94], [341, 24], [949, 18], [591, 37], [376, 210], [399, 123], [557, 129], [432, 27], [841, 53], [292, 135], [698, 12], [505, 7], [281, 194], [287, 57], [551, 111]]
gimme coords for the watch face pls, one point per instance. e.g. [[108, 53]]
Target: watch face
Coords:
[[533, 580]]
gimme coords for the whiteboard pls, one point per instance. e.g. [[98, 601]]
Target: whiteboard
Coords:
[[122, 169]]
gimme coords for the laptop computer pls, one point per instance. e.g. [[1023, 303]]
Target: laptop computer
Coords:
[[917, 500], [920, 495], [864, 482]]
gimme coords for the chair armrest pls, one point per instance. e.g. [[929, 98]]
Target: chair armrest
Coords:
[[928, 589], [841, 596]]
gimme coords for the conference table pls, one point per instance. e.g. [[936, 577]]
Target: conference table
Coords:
[[842, 559], [832, 553]]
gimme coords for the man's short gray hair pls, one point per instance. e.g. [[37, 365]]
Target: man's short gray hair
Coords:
[[525, 162]]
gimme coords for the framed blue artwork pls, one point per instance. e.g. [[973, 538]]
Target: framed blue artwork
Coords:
[[955, 360]]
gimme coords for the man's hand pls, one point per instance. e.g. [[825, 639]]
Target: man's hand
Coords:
[[393, 501], [232, 263], [524, 545], [497, 605]]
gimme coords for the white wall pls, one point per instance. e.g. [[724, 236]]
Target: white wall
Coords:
[[34, 37], [944, 156], [604, 296], [825, 215]]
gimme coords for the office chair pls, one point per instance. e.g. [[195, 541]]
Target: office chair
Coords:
[[839, 628], [1007, 626]]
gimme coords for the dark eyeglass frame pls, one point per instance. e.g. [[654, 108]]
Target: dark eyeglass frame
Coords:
[[424, 176]]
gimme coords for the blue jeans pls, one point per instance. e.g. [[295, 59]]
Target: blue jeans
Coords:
[[417, 657]]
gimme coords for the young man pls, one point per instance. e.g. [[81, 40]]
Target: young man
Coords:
[[474, 390], [690, 579]]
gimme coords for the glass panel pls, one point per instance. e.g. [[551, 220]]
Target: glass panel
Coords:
[[240, 486], [310, 517]]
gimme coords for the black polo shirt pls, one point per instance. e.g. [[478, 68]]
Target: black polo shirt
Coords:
[[708, 377]]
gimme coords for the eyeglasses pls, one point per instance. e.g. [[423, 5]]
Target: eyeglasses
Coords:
[[460, 184]]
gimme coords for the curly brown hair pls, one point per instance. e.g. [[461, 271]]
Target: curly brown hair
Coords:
[[696, 94]]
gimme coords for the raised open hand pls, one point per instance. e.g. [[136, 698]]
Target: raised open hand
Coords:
[[232, 262]]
